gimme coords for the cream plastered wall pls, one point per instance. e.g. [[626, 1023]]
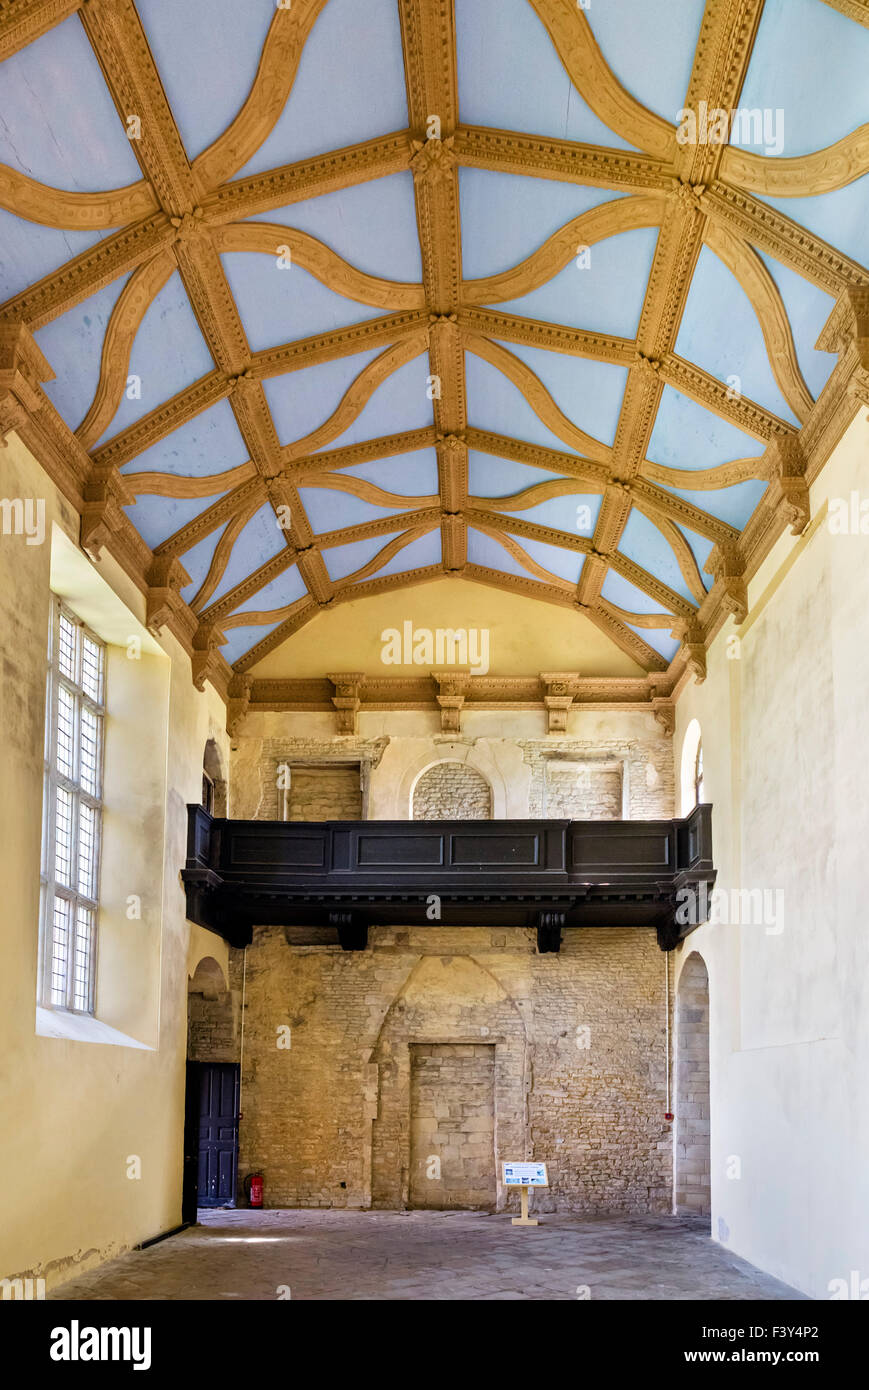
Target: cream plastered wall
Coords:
[[80, 1099], [785, 747], [525, 636]]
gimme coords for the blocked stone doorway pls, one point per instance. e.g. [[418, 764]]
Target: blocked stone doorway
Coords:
[[452, 1123], [692, 1146]]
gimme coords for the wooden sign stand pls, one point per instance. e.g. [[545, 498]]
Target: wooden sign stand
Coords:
[[524, 1219]]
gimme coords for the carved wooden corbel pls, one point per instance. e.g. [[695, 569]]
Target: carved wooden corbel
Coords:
[[846, 332], [238, 702], [560, 688], [103, 516], [166, 578], [206, 658], [788, 492], [727, 566], [452, 688], [347, 699], [693, 652], [665, 712]]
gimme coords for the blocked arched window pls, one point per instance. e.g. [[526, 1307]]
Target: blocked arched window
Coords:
[[452, 791]]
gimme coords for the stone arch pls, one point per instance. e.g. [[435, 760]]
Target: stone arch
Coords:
[[479, 756], [212, 1015], [213, 774], [451, 790], [450, 1018], [690, 746], [692, 1165]]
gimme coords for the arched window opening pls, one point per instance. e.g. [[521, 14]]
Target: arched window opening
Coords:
[[692, 783]]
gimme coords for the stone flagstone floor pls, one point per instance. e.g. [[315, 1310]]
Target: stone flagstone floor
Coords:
[[429, 1255]]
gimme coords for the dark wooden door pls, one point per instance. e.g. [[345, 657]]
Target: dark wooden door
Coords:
[[211, 1140]]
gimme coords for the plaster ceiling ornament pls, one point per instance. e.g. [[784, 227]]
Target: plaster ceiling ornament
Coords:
[[274, 378]]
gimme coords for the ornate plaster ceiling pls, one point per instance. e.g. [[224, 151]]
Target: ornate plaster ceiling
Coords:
[[308, 303]]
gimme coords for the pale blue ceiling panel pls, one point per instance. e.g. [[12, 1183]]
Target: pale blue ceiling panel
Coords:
[[197, 560], [73, 344], [47, 131], [606, 296], [511, 77], [809, 63], [412, 475], [483, 549], [642, 542], [507, 216], [687, 436], [282, 591], [495, 404], [158, 518], [372, 225], [169, 354], [240, 640], [624, 594], [29, 251], [279, 306], [354, 56], [650, 52], [208, 55], [341, 560], [489, 476], [417, 556], [302, 401], [257, 542], [840, 218], [327, 510], [659, 639], [721, 333], [589, 393], [731, 504], [565, 564], [808, 309], [575, 512], [209, 443], [401, 403]]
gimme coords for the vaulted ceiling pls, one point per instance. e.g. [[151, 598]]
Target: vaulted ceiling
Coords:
[[318, 300]]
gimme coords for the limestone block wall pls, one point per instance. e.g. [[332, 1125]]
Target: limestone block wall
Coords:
[[578, 1045]]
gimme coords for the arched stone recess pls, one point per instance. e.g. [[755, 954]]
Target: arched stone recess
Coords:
[[213, 1014], [447, 1090], [213, 772], [450, 790], [499, 761], [691, 1148]]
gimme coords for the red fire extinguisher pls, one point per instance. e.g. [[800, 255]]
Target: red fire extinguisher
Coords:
[[255, 1192]]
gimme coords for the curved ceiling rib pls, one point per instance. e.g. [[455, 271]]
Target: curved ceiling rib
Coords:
[[749, 270], [623, 215], [587, 69], [269, 238], [267, 98], [805, 175], [58, 207], [133, 303]]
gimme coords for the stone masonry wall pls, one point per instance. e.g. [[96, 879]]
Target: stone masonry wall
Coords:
[[452, 791], [325, 793], [579, 1063]]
